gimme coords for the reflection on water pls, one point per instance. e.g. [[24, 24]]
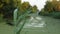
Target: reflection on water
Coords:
[[38, 18], [42, 25], [35, 22]]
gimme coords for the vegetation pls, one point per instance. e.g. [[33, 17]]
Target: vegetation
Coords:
[[51, 9], [7, 8], [25, 6]]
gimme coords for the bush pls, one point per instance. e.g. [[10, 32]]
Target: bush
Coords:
[[56, 15], [52, 14], [44, 13]]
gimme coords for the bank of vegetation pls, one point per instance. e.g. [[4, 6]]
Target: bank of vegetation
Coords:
[[7, 8], [51, 9]]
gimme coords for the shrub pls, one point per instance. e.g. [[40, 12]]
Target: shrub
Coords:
[[56, 15]]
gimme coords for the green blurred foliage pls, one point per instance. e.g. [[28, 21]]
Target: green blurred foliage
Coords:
[[52, 6], [51, 9], [26, 6], [7, 7], [34, 9]]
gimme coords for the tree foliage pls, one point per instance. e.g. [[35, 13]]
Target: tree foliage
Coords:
[[51, 9], [34, 8], [25, 6], [52, 6], [7, 7]]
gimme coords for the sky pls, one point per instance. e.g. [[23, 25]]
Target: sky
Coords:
[[39, 3]]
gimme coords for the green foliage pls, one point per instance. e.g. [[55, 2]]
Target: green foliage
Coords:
[[51, 9], [52, 6], [48, 6], [7, 8], [25, 6], [56, 15], [52, 14], [34, 9]]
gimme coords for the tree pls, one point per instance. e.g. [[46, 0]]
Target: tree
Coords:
[[7, 8], [52, 6], [34, 9], [48, 7], [23, 7]]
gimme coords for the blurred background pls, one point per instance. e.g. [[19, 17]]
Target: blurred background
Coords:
[[43, 16]]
